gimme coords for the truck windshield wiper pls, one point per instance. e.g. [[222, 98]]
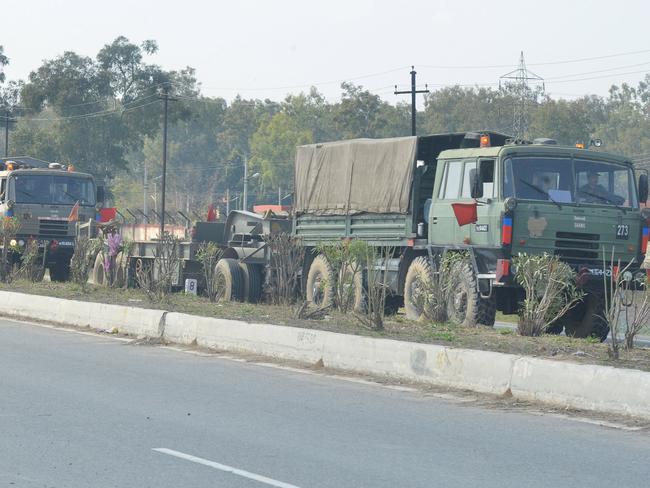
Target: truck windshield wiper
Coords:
[[72, 197], [604, 199], [545, 193]]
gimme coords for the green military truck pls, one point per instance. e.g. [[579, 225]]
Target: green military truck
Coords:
[[41, 196], [526, 197]]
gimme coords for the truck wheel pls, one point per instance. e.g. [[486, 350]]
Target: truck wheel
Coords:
[[121, 270], [251, 282], [99, 273], [392, 304], [586, 318], [320, 282], [465, 305], [60, 271], [417, 283], [229, 276], [354, 293]]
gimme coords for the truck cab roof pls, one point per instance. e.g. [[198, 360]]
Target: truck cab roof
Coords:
[[531, 149]]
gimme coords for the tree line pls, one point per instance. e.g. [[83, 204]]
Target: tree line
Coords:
[[103, 114]]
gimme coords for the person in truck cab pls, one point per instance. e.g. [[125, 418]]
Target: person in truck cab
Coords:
[[593, 192]]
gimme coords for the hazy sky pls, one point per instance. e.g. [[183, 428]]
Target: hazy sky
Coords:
[[269, 48]]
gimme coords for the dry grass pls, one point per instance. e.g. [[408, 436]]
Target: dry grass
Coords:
[[396, 327]]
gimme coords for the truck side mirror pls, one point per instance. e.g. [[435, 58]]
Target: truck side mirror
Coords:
[[101, 196], [476, 184], [643, 187]]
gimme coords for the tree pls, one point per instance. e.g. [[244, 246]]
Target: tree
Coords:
[[359, 113], [273, 149], [4, 61]]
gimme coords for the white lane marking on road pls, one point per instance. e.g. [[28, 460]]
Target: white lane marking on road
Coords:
[[224, 467]]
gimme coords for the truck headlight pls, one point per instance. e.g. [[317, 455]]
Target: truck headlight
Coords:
[[13, 243]]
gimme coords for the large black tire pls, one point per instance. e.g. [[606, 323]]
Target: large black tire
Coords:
[[229, 273], [393, 304], [99, 274], [357, 295], [60, 271], [320, 283], [465, 305], [121, 270], [251, 282], [586, 319], [419, 278]]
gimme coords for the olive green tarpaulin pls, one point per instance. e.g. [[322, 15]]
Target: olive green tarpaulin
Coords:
[[359, 175]]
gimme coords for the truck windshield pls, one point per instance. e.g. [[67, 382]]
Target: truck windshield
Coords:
[[52, 189], [563, 180]]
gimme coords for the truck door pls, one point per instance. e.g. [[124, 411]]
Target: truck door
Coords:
[[443, 228], [488, 211]]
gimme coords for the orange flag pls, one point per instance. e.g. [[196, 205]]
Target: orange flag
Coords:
[[74, 213]]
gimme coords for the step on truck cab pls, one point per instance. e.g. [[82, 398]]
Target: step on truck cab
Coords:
[[521, 197], [41, 197]]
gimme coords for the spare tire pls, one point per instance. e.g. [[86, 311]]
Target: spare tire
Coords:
[[229, 274]]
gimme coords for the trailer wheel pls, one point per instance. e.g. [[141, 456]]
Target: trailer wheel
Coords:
[[320, 282], [121, 270], [99, 274], [229, 277], [465, 305], [418, 280], [251, 282], [586, 318], [60, 271]]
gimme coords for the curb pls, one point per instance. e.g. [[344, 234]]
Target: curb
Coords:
[[565, 384]]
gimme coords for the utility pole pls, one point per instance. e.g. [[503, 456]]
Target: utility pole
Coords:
[[413, 91], [227, 202], [245, 201], [145, 187], [165, 98], [523, 95], [6, 133]]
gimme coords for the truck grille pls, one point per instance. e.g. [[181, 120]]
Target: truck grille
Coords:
[[577, 246], [53, 228]]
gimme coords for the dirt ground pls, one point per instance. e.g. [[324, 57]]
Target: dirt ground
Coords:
[[397, 327]]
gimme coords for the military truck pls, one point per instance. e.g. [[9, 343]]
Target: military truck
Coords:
[[41, 196], [413, 193]]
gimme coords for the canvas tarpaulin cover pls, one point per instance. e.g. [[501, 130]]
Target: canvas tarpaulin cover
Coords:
[[360, 175]]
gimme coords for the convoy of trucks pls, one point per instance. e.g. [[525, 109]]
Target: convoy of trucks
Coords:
[[481, 194]]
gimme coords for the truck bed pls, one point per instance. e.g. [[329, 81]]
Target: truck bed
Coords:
[[377, 229]]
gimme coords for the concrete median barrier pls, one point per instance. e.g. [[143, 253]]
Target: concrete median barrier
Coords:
[[561, 383], [98, 316]]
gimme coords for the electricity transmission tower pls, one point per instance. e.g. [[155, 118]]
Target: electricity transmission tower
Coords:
[[519, 86]]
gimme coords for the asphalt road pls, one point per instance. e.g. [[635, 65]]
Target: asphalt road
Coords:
[[89, 411]]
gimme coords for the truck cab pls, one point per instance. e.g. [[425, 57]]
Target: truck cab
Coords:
[[41, 197], [535, 198]]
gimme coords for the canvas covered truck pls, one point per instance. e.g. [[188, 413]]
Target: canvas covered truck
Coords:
[[474, 193], [41, 196]]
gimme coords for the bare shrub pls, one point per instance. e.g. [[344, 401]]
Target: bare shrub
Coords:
[[550, 288], [208, 255], [620, 303], [83, 259], [346, 259], [8, 229], [376, 286], [436, 293], [166, 265], [32, 266], [286, 257]]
